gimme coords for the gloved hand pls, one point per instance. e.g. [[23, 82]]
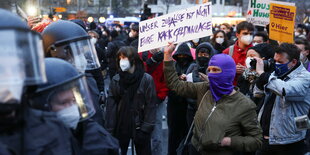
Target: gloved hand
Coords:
[[158, 57]]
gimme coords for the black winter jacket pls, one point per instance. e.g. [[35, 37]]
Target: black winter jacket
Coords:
[[145, 99]]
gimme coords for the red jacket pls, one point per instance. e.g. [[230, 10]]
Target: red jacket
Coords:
[[239, 56], [157, 72]]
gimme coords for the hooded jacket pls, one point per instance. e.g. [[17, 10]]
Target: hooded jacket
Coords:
[[195, 68], [183, 49], [234, 117]]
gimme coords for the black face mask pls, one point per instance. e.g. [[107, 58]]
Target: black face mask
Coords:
[[203, 61], [183, 61]]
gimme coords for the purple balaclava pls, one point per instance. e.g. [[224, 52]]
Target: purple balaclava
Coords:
[[222, 83]]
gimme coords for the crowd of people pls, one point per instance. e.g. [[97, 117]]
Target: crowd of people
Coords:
[[235, 92]]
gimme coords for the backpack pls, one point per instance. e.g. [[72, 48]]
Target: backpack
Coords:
[[231, 50]]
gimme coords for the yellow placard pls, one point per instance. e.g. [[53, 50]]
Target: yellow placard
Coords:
[[60, 9], [282, 21]]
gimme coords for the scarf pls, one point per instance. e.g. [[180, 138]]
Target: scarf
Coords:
[[129, 84]]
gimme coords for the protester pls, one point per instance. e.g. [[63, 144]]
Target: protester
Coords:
[[104, 40], [300, 32], [194, 43], [101, 54], [227, 29], [67, 96], [260, 37], [177, 105], [225, 121], [153, 62], [133, 38], [92, 26], [219, 41], [247, 81], [131, 107], [238, 50], [286, 91], [304, 46], [113, 46], [121, 33], [204, 53]]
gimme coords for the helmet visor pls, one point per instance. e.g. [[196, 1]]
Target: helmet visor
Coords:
[[12, 67], [74, 92], [81, 54], [32, 46]]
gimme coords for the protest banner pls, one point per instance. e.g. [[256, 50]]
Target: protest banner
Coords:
[[258, 12], [180, 26], [282, 21]]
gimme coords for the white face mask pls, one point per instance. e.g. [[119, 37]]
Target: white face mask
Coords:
[[219, 40], [216, 29], [247, 61], [104, 33], [130, 35], [297, 33], [69, 116], [93, 40], [304, 33], [254, 44], [118, 29], [196, 41], [124, 65], [247, 39]]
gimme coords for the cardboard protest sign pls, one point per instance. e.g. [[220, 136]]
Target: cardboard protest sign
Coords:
[[282, 22], [180, 26], [258, 12]]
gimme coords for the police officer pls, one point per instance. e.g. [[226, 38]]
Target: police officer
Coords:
[[68, 41], [21, 127], [66, 94]]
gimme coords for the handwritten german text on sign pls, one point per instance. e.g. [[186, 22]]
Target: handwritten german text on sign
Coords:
[[282, 21], [180, 26], [258, 12]]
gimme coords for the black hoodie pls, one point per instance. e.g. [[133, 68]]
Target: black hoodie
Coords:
[[182, 66]]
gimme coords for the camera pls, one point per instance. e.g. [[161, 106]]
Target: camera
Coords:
[[268, 64]]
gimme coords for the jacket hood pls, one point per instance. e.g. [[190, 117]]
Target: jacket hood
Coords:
[[207, 46], [182, 49]]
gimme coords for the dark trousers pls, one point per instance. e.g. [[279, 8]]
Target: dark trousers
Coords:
[[297, 148], [177, 124], [142, 147]]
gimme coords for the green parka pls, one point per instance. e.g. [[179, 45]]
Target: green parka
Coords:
[[234, 117]]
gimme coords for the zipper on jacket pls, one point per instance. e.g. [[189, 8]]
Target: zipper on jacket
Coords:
[[205, 123]]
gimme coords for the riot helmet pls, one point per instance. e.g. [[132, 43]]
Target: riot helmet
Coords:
[[68, 41], [21, 57], [66, 93]]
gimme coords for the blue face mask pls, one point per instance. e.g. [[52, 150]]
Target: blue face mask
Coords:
[[281, 69]]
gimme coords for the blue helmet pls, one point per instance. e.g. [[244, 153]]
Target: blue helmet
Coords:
[[65, 87], [69, 41]]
